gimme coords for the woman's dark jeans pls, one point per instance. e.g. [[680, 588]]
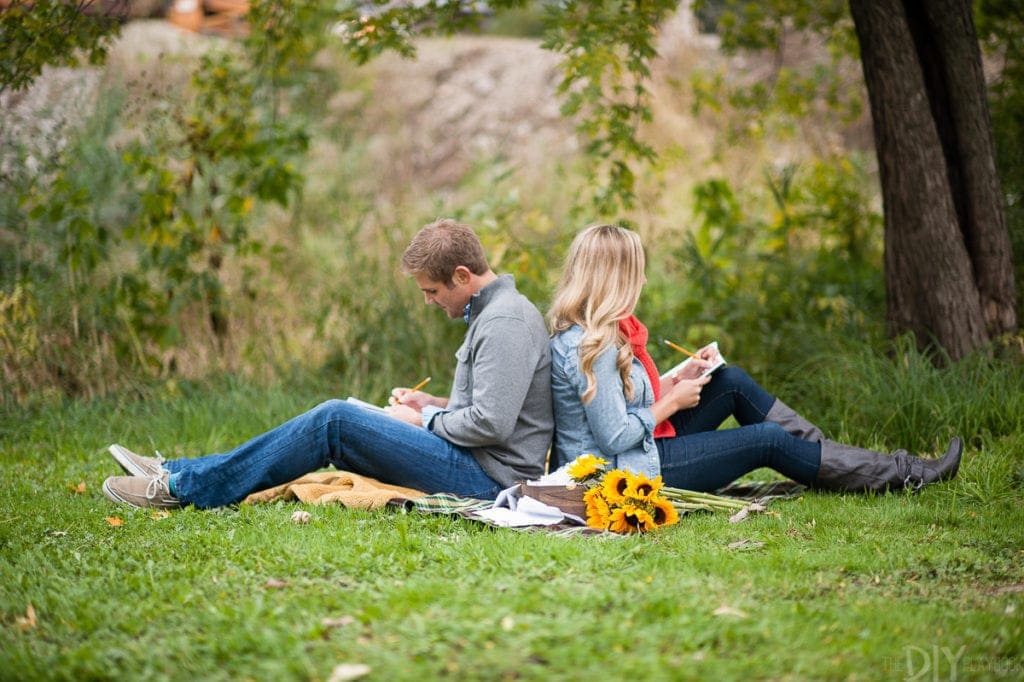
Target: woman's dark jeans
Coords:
[[700, 457]]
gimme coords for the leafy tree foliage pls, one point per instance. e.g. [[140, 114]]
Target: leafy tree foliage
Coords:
[[948, 266], [210, 160], [188, 184], [607, 47], [53, 32]]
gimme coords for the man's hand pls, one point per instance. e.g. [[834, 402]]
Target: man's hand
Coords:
[[415, 399], [406, 413]]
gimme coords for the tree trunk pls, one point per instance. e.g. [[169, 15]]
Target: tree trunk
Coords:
[[948, 268], [967, 139]]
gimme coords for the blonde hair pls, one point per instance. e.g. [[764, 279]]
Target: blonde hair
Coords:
[[600, 285]]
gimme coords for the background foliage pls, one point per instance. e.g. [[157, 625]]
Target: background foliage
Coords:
[[215, 214]]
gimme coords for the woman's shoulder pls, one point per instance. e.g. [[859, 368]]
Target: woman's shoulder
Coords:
[[565, 346], [568, 337]]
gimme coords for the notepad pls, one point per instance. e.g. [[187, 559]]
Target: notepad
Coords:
[[719, 362], [363, 403]]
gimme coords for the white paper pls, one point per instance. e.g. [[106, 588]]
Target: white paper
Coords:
[[528, 512], [512, 510], [715, 365], [363, 403]]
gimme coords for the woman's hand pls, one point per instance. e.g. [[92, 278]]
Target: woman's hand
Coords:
[[693, 370], [709, 354], [682, 395], [686, 392]]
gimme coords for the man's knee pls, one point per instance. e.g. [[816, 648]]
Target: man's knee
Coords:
[[332, 409]]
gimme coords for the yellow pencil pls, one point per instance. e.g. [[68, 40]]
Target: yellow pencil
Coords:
[[678, 348], [419, 385], [414, 388]]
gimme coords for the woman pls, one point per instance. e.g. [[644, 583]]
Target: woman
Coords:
[[609, 400]]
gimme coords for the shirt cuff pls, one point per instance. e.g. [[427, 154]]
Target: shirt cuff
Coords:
[[647, 419], [428, 414]]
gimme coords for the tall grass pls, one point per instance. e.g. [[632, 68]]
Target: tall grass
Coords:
[[903, 399]]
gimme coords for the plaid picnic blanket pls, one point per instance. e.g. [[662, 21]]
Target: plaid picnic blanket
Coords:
[[446, 503]]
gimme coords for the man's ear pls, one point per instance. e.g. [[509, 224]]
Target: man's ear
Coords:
[[462, 275]]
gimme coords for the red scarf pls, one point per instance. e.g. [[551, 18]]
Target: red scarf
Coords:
[[636, 334]]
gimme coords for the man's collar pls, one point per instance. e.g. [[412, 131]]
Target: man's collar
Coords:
[[480, 299]]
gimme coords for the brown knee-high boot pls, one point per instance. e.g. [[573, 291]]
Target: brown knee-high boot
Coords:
[[845, 467]]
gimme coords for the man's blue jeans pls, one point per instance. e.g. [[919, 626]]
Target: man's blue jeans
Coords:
[[342, 434], [702, 458]]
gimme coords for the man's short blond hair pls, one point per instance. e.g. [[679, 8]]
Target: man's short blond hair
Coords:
[[442, 246]]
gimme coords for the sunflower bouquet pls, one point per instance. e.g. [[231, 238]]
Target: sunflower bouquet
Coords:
[[624, 502]]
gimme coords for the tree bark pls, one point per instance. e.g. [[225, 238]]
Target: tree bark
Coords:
[[947, 252], [958, 85]]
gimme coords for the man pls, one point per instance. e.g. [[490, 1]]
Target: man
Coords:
[[493, 430]]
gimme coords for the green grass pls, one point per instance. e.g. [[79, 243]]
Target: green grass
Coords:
[[844, 587]]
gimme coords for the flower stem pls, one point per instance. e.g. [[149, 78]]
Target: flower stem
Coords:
[[707, 499]]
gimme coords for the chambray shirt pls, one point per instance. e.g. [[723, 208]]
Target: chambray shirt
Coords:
[[608, 426]]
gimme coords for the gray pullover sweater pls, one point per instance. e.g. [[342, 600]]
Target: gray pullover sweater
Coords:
[[500, 402]]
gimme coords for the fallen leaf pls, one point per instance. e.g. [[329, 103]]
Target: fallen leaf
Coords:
[[301, 516], [739, 516], [160, 514], [348, 671], [274, 583], [725, 610], [58, 533], [28, 621], [78, 489], [752, 508], [337, 622], [114, 520], [745, 544]]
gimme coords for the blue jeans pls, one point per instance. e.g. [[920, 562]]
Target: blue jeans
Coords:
[[336, 432], [702, 458]]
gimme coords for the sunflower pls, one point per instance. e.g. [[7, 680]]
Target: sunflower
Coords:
[[585, 467], [598, 512], [615, 484], [664, 513], [630, 519], [642, 488]]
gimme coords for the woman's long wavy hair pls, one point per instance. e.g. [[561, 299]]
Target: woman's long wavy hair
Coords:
[[600, 285]]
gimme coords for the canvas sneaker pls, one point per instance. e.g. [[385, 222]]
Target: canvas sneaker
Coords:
[[136, 465], [142, 491]]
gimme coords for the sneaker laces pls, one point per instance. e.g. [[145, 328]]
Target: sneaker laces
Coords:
[[158, 484]]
